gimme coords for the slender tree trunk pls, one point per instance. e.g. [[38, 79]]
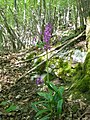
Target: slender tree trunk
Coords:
[[64, 16], [24, 16], [59, 17], [1, 39], [15, 13], [88, 33], [75, 12], [68, 13], [55, 20], [44, 13], [79, 6], [15, 4]]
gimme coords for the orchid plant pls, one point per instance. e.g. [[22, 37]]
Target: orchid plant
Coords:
[[46, 44], [50, 104]]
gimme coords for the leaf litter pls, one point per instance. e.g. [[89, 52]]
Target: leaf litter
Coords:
[[20, 94]]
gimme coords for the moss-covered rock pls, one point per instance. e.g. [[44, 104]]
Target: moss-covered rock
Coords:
[[84, 84], [82, 78]]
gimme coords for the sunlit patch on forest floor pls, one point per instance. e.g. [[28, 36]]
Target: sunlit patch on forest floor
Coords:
[[20, 94]]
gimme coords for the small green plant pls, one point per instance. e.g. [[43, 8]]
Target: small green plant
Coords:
[[50, 104], [9, 107]]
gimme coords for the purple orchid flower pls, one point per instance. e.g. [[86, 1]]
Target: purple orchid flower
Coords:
[[47, 36], [39, 80]]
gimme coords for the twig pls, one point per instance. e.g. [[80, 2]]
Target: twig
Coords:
[[31, 70], [87, 111]]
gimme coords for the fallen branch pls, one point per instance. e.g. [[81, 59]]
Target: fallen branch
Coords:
[[51, 50], [59, 48], [56, 48]]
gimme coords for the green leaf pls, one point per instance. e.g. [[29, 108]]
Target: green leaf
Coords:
[[3, 103], [35, 103], [47, 105], [59, 106], [56, 98], [41, 112], [47, 96], [45, 117], [43, 103], [34, 107], [52, 86], [11, 108], [61, 91], [50, 96]]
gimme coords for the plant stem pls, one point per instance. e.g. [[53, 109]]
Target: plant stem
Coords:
[[47, 67]]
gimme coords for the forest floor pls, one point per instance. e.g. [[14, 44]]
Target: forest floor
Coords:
[[20, 94], [16, 96]]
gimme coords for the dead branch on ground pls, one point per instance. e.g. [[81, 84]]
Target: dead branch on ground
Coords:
[[59, 48]]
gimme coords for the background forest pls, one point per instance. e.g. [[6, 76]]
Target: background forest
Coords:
[[44, 59]]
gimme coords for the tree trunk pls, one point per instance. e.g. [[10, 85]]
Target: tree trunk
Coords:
[[24, 15], [79, 6], [88, 33], [1, 39]]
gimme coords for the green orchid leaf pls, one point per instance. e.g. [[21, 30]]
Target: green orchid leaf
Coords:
[[41, 103], [52, 86], [47, 105], [56, 98], [59, 106], [45, 117], [34, 107], [35, 103], [46, 96], [61, 91], [41, 112]]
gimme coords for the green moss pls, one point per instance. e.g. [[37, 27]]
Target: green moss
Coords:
[[78, 72], [84, 84], [82, 78], [86, 66]]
